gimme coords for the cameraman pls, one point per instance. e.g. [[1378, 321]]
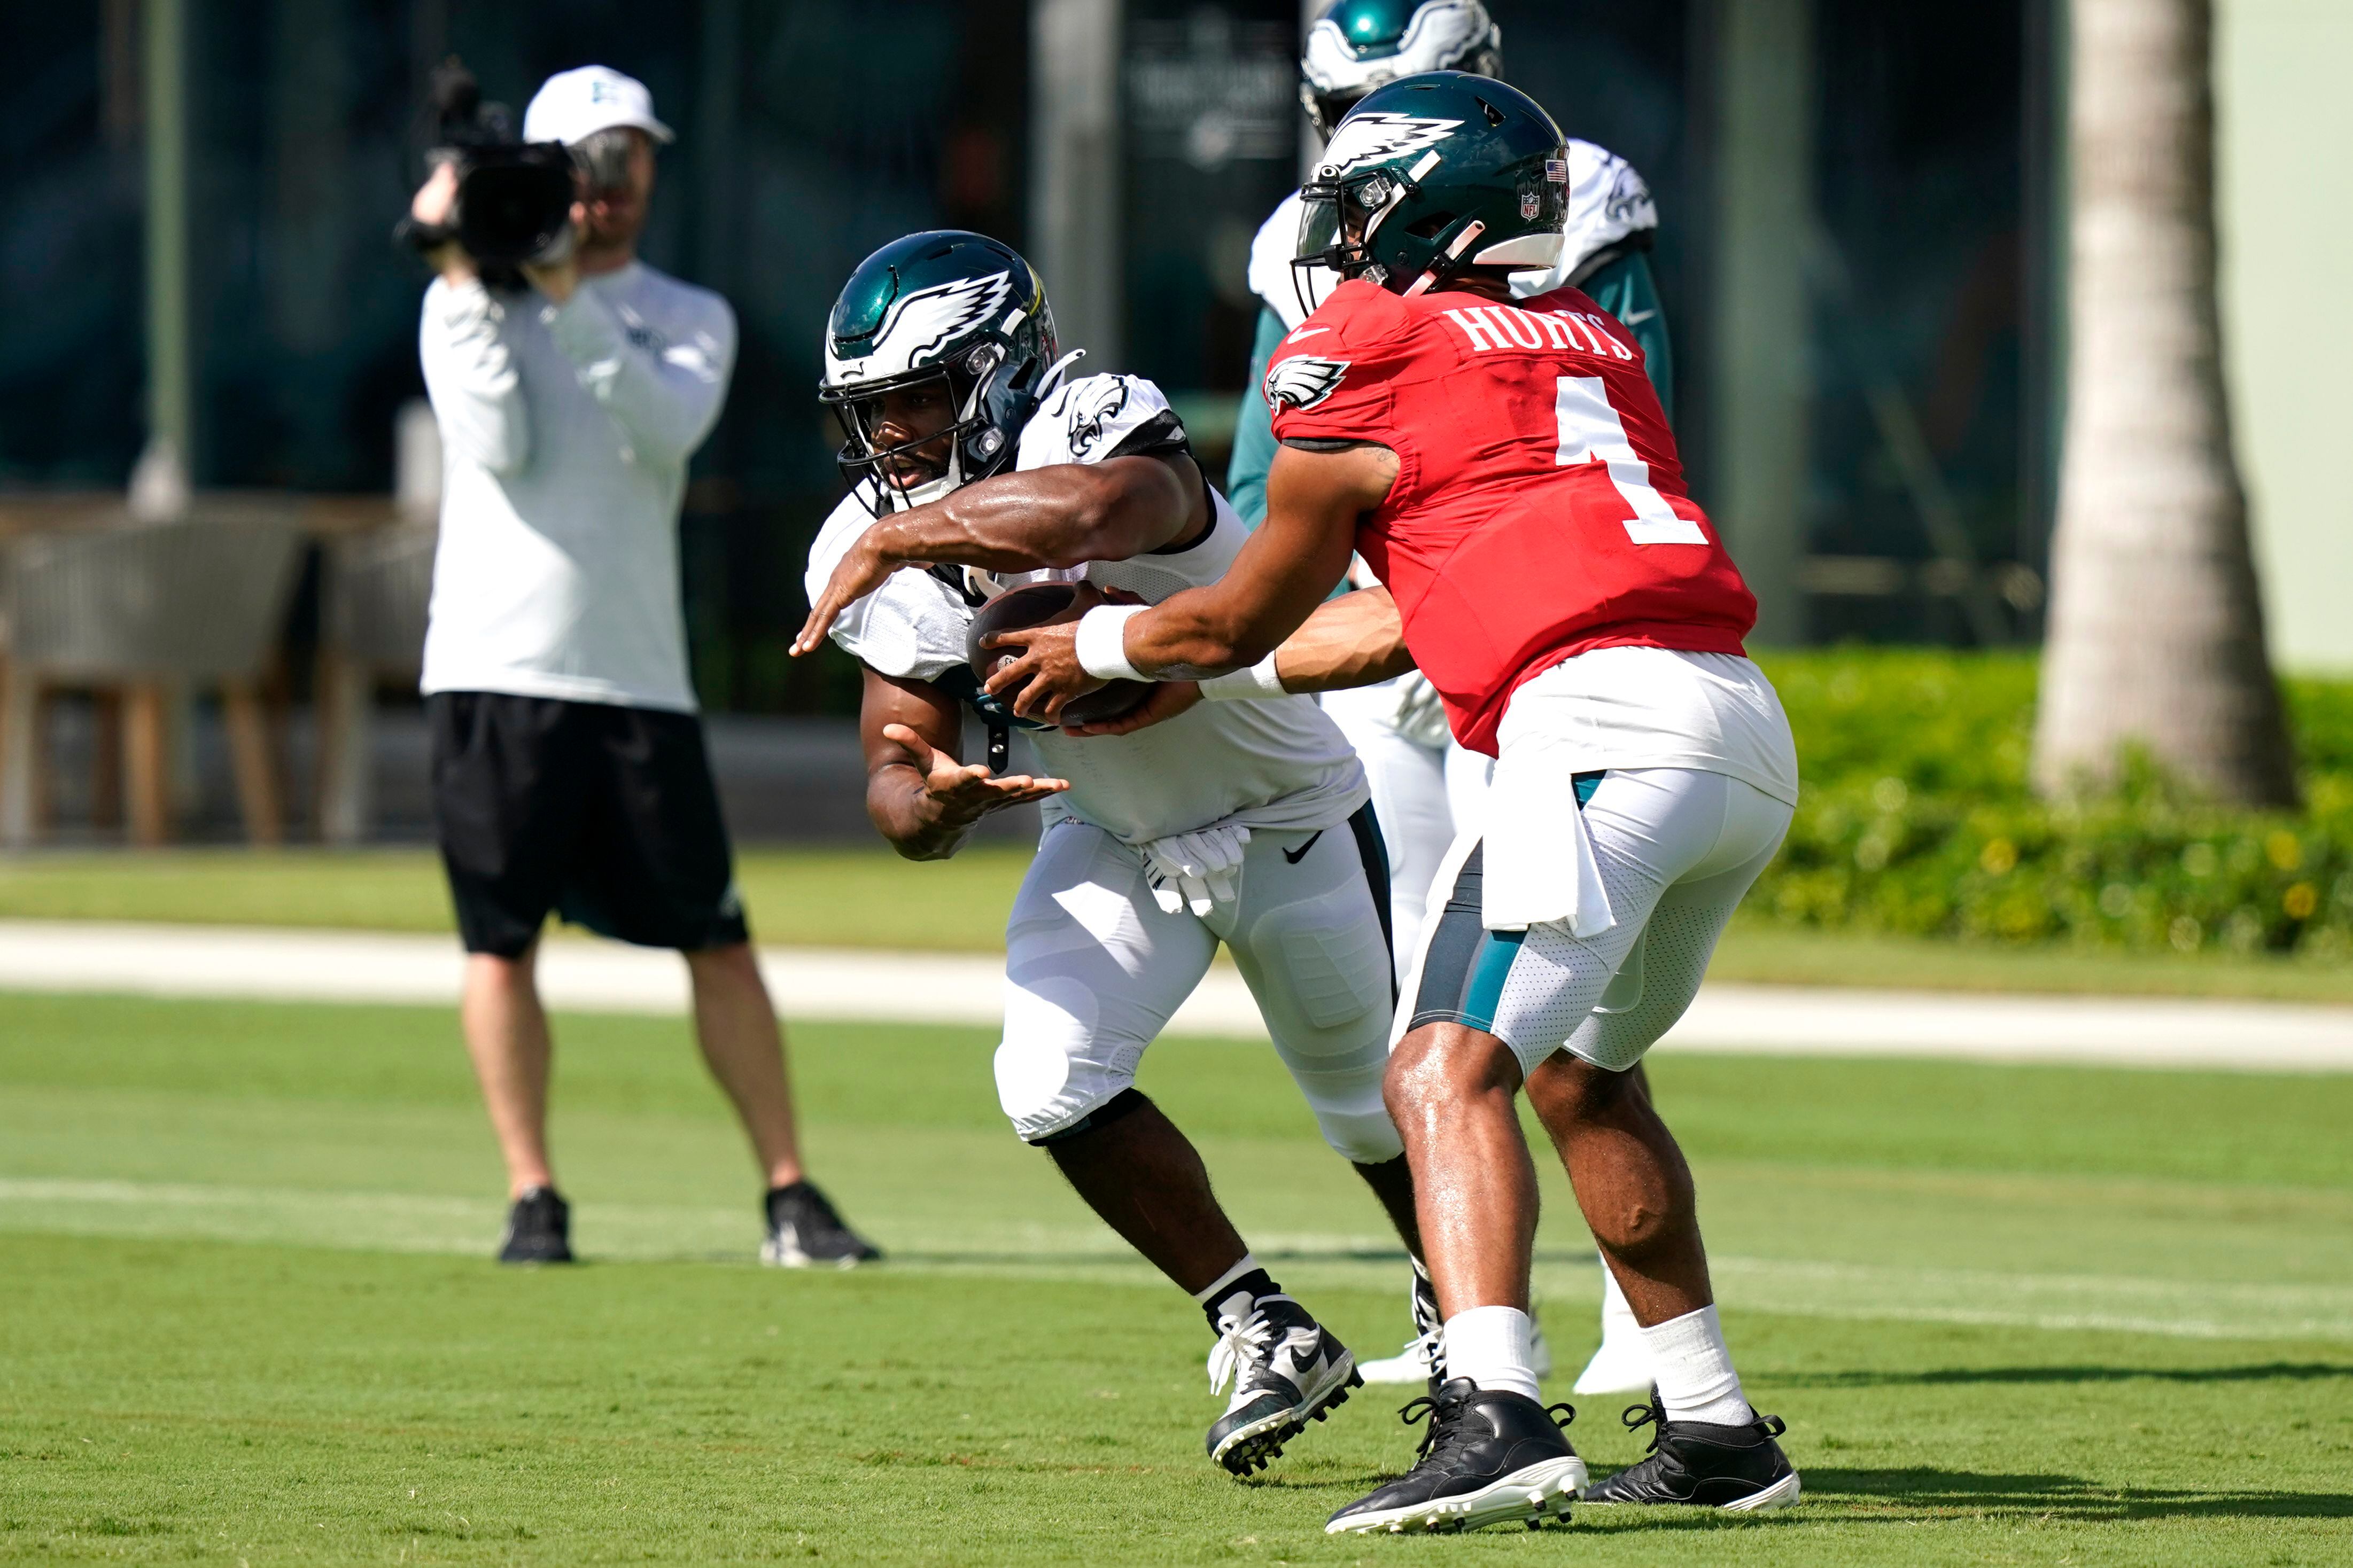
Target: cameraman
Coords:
[[569, 772]]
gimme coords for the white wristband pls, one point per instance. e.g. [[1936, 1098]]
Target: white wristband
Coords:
[[1102, 643], [1256, 683]]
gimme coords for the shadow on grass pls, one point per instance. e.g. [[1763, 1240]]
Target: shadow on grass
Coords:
[[2259, 1371], [2063, 1497]]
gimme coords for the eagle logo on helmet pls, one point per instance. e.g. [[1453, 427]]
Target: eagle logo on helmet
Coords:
[[930, 318], [1365, 139], [1304, 381], [1099, 407]]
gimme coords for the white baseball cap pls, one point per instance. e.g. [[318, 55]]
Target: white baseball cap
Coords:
[[571, 106]]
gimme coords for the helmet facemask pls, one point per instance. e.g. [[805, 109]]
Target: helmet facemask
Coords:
[[920, 468], [1338, 219]]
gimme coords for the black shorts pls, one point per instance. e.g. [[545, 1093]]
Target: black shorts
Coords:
[[606, 815]]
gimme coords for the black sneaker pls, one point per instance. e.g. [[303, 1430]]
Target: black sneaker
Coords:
[[539, 1229], [1489, 1455], [1697, 1463], [1287, 1370], [805, 1232]]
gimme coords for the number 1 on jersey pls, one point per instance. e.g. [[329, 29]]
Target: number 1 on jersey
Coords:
[[1590, 432]]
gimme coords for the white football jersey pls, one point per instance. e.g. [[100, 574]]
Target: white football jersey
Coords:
[[1275, 764], [1607, 201]]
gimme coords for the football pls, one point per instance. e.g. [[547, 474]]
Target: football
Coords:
[[1049, 605]]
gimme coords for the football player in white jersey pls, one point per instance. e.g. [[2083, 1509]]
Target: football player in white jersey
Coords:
[[979, 468], [1426, 789]]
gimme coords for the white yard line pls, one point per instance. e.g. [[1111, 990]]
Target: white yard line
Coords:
[[419, 1223], [94, 957]]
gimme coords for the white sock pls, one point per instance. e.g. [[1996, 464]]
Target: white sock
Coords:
[[1224, 1282], [1619, 1327], [1694, 1370], [1489, 1345]]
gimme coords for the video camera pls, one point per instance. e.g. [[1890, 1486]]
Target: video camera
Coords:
[[514, 197]]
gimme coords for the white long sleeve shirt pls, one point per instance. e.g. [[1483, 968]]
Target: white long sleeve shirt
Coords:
[[565, 431]]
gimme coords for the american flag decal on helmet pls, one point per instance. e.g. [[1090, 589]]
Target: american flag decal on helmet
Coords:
[[1304, 381], [1556, 171]]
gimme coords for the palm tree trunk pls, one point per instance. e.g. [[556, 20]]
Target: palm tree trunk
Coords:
[[2156, 624]]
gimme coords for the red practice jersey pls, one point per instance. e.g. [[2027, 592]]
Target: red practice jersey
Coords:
[[1539, 509]]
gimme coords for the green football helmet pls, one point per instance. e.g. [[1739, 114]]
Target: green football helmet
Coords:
[[946, 307], [1433, 175], [1359, 45]]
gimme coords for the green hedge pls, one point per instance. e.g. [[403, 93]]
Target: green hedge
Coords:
[[1916, 819]]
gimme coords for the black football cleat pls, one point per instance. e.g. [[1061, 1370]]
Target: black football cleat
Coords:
[[806, 1232], [1491, 1457], [539, 1229], [1287, 1370], [1697, 1463]]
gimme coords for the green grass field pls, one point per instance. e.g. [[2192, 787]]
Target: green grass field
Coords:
[[870, 898], [2012, 1315]]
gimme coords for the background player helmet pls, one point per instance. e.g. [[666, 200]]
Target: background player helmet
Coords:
[[1433, 175], [947, 306], [1359, 45]]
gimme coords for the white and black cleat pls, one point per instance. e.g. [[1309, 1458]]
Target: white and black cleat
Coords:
[[805, 1231], [1423, 1358], [1697, 1463], [1286, 1371], [1491, 1457]]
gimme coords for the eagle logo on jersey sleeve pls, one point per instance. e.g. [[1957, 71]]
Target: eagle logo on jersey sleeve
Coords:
[[920, 323], [1367, 139], [1304, 381], [1102, 402]]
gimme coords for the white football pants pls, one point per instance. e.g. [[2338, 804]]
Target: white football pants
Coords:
[[1094, 968], [1676, 849]]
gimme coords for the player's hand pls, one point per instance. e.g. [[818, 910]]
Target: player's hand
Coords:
[[1045, 675], [1168, 698], [859, 573], [961, 794]]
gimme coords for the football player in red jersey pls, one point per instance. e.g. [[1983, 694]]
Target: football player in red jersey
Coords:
[[1505, 468]]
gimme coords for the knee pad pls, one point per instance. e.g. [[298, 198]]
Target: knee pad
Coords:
[[1328, 959], [1055, 1064]]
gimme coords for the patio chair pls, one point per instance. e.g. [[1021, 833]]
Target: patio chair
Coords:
[[148, 611]]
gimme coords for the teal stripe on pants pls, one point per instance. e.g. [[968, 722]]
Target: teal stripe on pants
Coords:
[[1485, 991]]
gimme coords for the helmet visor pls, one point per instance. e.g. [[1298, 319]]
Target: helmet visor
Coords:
[[1336, 217]]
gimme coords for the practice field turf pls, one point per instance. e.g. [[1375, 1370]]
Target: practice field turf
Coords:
[[870, 897], [2012, 1315]]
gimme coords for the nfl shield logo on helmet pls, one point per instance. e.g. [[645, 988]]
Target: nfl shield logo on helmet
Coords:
[[1530, 201]]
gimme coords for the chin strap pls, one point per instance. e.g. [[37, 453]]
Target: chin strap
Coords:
[[1445, 266]]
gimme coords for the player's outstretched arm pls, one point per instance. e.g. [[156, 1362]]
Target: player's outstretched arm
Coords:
[[1313, 500], [920, 796], [1061, 516], [1355, 639]]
